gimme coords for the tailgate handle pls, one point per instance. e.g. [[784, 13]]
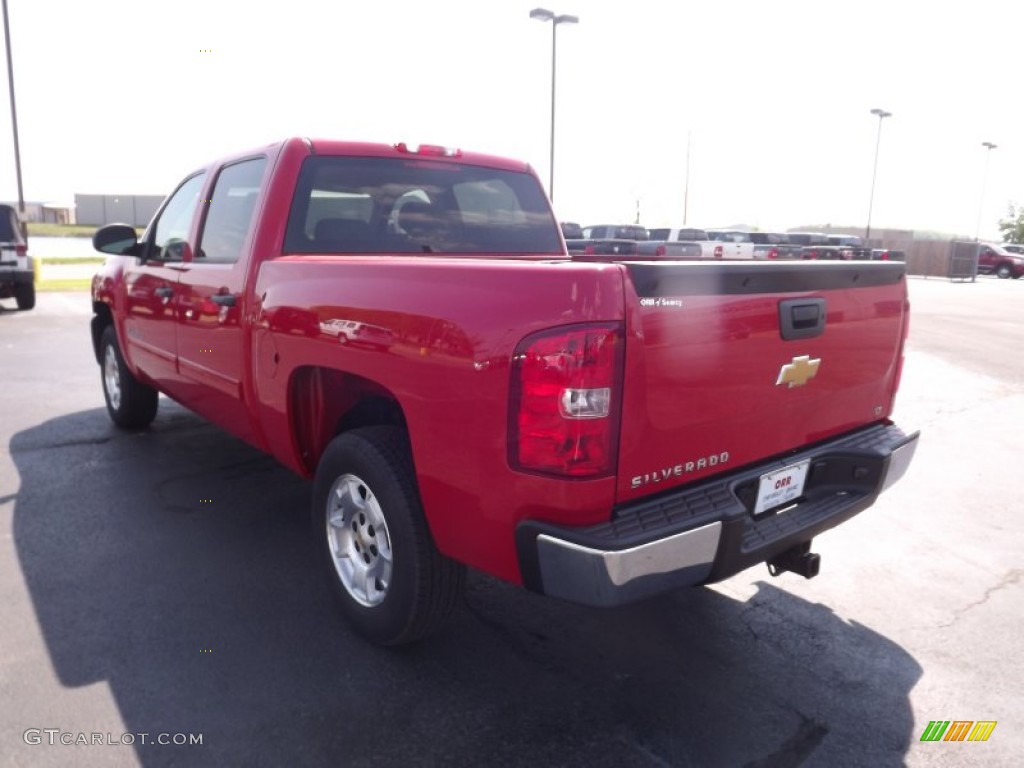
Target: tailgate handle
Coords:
[[801, 318]]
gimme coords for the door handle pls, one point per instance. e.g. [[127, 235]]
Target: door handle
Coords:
[[223, 299]]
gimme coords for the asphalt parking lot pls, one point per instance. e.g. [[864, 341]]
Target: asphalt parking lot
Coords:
[[132, 605]]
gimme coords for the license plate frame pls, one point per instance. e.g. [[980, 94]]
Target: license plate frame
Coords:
[[780, 486]]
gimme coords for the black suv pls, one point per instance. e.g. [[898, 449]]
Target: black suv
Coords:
[[17, 272]]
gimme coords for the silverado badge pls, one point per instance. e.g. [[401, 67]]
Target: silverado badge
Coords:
[[798, 372]]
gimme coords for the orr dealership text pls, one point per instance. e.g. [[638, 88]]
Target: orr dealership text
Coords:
[[55, 736]]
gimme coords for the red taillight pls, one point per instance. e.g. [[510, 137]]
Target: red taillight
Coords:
[[718, 251], [589, 250], [773, 253], [20, 249], [564, 404], [660, 251], [885, 256]]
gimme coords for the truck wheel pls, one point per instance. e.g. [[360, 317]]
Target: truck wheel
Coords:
[[130, 403], [373, 542], [1004, 271], [25, 295]]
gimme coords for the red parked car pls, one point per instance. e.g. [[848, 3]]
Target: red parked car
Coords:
[[996, 260]]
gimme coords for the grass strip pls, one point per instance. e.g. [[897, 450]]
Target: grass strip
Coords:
[[71, 284], [71, 259]]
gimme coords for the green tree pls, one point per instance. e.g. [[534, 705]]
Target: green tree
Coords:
[[1012, 226]]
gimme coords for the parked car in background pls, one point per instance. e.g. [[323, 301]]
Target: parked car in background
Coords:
[[996, 260], [1014, 248], [852, 243], [571, 230], [601, 246], [735, 244], [816, 245], [709, 249], [773, 245], [607, 240], [17, 270]]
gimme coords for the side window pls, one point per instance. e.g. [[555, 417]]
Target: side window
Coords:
[[230, 212], [175, 220]]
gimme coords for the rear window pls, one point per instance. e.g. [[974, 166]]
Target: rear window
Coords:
[[10, 231], [681, 235], [729, 236], [692, 234], [807, 238], [615, 232], [399, 205], [768, 238]]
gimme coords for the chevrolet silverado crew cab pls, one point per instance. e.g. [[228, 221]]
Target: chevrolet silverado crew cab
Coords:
[[403, 325]]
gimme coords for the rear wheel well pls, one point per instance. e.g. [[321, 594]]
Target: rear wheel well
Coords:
[[325, 402]]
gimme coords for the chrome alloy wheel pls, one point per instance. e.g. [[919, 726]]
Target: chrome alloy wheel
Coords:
[[112, 377], [357, 536]]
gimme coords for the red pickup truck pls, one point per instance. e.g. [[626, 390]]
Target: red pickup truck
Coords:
[[404, 325]]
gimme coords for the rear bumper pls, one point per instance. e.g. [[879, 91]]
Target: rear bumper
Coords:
[[707, 532], [15, 276]]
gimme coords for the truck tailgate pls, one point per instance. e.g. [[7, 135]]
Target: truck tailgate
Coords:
[[732, 363]]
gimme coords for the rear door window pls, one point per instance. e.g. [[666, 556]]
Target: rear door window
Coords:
[[230, 212]]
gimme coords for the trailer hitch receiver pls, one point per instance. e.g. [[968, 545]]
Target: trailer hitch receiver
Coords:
[[798, 559]]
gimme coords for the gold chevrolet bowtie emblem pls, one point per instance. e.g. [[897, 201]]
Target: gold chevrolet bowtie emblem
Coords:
[[798, 372]]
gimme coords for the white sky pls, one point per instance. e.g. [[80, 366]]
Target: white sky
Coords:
[[114, 96]]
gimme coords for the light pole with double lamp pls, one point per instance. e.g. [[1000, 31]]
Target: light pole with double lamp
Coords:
[[989, 146], [543, 14], [882, 114]]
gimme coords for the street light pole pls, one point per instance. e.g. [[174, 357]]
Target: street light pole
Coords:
[[989, 146], [882, 114], [543, 14], [14, 123], [686, 186]]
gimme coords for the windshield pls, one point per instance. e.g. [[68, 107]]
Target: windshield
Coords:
[[399, 205]]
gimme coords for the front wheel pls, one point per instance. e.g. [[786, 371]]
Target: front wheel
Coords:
[[1004, 271], [130, 403], [373, 542]]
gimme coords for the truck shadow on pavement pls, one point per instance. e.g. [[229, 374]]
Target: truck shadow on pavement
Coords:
[[175, 566]]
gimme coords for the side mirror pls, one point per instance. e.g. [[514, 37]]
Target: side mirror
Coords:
[[116, 239], [176, 250]]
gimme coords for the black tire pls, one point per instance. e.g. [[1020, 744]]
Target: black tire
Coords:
[[1004, 271], [25, 295], [366, 475], [130, 403]]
